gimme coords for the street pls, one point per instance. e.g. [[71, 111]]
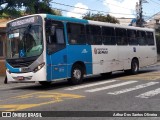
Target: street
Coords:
[[120, 92]]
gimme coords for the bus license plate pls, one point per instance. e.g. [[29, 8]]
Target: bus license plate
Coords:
[[20, 78]]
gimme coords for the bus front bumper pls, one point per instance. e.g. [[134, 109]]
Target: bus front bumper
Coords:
[[27, 77]]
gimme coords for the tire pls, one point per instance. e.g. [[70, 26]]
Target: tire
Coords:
[[134, 66], [77, 74], [45, 83]]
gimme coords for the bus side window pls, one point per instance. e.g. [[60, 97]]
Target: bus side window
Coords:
[[131, 34], [108, 36], [121, 36], [76, 33], [150, 38], [141, 35], [94, 35]]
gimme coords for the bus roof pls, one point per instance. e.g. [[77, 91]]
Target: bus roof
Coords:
[[76, 20]]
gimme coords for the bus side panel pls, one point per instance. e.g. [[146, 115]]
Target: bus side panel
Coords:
[[148, 55], [105, 59], [79, 53]]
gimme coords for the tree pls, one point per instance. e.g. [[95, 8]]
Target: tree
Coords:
[[100, 17], [17, 8]]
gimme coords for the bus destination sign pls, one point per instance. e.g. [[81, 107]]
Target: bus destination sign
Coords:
[[23, 21]]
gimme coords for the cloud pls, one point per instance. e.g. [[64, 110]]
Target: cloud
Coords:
[[77, 12], [126, 7]]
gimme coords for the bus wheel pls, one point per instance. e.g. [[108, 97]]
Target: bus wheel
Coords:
[[76, 74], [134, 66], [45, 83]]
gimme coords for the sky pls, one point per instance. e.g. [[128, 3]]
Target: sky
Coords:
[[116, 8]]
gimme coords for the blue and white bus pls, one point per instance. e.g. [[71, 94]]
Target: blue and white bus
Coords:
[[46, 48]]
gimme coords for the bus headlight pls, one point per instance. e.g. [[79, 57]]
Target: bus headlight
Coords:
[[39, 67]]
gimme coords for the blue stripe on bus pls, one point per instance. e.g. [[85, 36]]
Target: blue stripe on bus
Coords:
[[61, 18], [11, 69]]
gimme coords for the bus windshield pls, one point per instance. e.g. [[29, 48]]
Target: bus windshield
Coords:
[[24, 42]]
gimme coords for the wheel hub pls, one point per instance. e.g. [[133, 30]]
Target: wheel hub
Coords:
[[77, 74]]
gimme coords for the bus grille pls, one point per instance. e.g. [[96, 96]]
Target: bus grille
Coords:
[[21, 64]]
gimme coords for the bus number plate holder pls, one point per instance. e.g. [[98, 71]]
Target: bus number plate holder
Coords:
[[20, 78]]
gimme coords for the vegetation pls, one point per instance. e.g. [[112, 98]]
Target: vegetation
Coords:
[[17, 8], [100, 17]]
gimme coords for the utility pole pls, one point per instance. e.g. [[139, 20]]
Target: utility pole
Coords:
[[139, 11], [140, 14]]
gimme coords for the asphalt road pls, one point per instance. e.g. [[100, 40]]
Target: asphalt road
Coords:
[[119, 93]]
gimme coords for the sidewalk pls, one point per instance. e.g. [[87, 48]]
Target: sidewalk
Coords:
[[2, 80]]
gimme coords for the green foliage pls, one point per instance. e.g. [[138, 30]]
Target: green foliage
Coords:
[[14, 9], [100, 17]]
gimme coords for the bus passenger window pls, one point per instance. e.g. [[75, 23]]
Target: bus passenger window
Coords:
[[121, 36], [150, 38], [94, 35], [108, 36], [131, 34], [76, 33], [141, 35]]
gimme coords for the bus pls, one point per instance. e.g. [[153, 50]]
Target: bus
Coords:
[[45, 48]]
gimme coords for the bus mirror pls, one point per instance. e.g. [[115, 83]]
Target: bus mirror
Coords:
[[53, 30]]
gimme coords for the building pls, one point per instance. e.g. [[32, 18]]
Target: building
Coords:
[[125, 21], [2, 45], [154, 22]]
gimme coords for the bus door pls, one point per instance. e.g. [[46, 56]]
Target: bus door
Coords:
[[56, 51]]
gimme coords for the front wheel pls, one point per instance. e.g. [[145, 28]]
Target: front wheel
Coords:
[[76, 74]]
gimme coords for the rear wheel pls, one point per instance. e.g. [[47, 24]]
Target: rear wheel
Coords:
[[76, 74], [134, 67]]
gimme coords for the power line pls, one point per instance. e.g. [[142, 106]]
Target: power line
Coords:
[[85, 9], [116, 5], [77, 7], [67, 11], [84, 13], [155, 2]]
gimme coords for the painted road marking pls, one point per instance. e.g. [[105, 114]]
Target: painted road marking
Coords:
[[44, 98], [111, 86], [90, 85], [133, 88], [143, 76], [149, 93]]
